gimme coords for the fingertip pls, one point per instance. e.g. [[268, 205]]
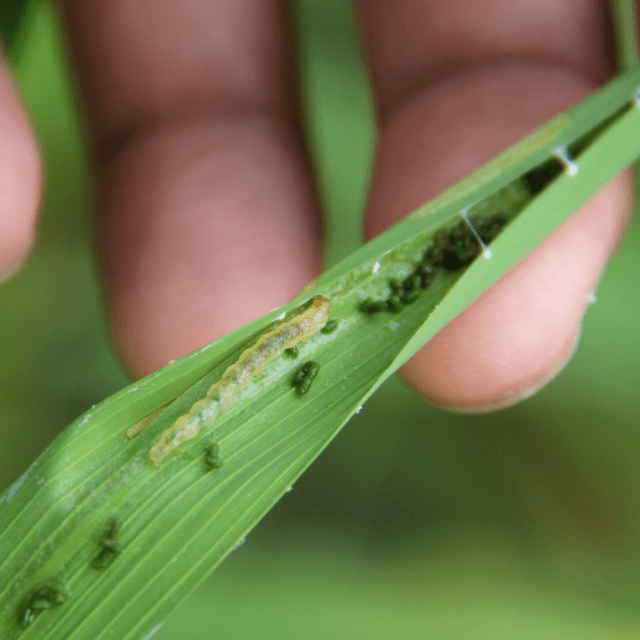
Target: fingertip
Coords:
[[205, 227], [521, 333], [20, 169]]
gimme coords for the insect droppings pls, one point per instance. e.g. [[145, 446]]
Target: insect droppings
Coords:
[[212, 457], [330, 327], [412, 282], [105, 558], [410, 296], [450, 249], [112, 534], [394, 303], [427, 275], [110, 549], [303, 378], [369, 305], [49, 596]]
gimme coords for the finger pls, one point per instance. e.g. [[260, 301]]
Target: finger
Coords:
[[207, 218], [522, 331], [457, 83], [20, 179]]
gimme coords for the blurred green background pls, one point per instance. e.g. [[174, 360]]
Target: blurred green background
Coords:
[[415, 523]]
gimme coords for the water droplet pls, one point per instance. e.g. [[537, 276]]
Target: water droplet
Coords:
[[571, 167]]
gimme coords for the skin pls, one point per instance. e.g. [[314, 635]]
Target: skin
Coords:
[[193, 110]]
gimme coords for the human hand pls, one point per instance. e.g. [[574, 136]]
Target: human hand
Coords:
[[208, 215]]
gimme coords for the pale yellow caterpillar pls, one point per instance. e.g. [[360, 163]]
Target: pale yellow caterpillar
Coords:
[[238, 376]]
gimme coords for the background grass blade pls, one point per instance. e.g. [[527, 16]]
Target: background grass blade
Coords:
[[626, 26]]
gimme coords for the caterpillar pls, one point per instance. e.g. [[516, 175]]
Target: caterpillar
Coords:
[[237, 377]]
